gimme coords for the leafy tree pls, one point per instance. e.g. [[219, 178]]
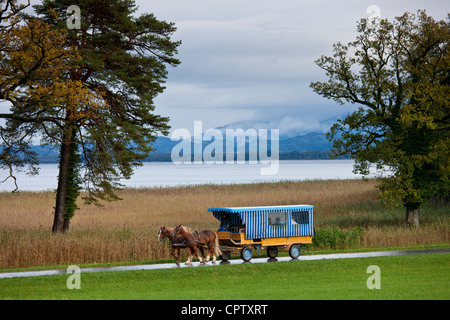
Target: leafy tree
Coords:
[[398, 74], [32, 60], [101, 100]]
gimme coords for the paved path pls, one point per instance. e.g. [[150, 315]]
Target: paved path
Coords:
[[237, 261]]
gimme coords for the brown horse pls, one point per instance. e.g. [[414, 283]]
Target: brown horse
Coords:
[[177, 242], [196, 239]]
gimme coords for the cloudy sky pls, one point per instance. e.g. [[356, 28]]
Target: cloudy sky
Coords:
[[250, 62]]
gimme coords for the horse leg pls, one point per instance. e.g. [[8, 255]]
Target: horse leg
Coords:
[[202, 252], [207, 256], [178, 256], [188, 262], [196, 254], [173, 252], [211, 251]]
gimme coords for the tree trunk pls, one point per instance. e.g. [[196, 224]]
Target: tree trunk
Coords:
[[412, 216], [66, 225], [58, 222], [73, 181]]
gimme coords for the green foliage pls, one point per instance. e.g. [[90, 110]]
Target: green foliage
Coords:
[[334, 237], [73, 184], [397, 73], [124, 234]]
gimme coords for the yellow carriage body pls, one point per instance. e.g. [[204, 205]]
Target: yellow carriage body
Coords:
[[271, 227]]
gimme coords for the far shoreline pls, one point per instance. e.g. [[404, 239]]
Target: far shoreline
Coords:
[[204, 185]]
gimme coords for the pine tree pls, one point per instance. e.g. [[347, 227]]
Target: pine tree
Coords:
[[123, 59], [89, 90]]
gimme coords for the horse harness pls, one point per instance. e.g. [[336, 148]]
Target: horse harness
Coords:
[[197, 241], [178, 244], [175, 242]]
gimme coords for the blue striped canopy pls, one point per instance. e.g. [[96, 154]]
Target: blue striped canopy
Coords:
[[270, 221]]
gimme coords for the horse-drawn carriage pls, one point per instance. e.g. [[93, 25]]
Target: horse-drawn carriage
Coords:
[[244, 229]]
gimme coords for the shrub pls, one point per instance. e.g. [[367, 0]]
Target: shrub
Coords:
[[334, 237]]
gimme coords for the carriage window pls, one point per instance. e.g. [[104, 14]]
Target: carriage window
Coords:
[[276, 218], [301, 217]]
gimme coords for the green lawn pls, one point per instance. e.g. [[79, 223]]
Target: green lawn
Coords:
[[403, 277]]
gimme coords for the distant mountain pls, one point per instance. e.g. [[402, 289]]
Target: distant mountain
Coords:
[[164, 145], [289, 125], [47, 154], [313, 145], [314, 141]]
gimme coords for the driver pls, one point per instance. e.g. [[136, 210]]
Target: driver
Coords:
[[224, 222]]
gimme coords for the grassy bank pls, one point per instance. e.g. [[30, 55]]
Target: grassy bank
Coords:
[[401, 277], [348, 216]]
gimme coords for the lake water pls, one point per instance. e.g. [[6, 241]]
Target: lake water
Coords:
[[167, 174]]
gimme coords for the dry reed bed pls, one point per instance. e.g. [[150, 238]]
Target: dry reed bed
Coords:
[[169, 206], [126, 230]]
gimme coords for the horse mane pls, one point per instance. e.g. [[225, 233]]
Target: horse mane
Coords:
[[187, 229]]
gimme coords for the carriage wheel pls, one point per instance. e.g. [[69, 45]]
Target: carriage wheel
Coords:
[[294, 251], [272, 252], [225, 256], [247, 254]]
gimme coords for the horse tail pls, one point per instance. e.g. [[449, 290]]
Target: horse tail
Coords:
[[217, 247]]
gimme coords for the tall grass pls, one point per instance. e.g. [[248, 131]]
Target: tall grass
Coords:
[[126, 230]]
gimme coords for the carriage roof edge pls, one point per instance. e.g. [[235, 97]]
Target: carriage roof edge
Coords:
[[261, 208]]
